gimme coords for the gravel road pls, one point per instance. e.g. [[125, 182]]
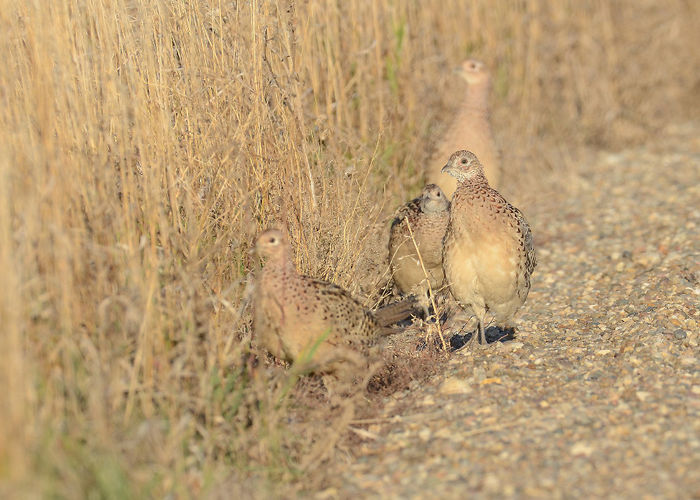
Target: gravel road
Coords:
[[598, 395]]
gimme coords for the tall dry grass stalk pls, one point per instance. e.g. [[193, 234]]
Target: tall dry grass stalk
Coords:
[[143, 144]]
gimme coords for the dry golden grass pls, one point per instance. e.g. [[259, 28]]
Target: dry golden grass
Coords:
[[143, 144]]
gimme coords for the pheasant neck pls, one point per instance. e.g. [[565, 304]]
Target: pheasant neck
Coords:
[[477, 98], [477, 179], [282, 266]]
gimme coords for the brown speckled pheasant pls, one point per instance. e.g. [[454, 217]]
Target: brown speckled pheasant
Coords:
[[470, 129], [296, 316], [427, 215], [488, 252]]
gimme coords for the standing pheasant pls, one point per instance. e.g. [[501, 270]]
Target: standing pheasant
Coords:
[[488, 251], [470, 129], [427, 217], [297, 317]]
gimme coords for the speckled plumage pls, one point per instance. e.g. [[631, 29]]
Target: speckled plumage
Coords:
[[428, 216], [470, 129], [293, 313], [488, 254]]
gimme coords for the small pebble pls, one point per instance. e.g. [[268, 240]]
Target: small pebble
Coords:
[[643, 395], [582, 448], [688, 361], [454, 385]]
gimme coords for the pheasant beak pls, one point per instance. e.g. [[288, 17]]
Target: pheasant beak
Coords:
[[459, 70], [445, 169]]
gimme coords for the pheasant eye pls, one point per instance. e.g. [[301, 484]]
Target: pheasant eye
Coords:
[[273, 240], [464, 161]]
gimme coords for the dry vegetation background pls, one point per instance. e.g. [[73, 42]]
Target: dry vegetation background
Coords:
[[144, 144]]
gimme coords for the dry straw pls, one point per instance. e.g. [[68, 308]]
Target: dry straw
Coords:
[[143, 144]]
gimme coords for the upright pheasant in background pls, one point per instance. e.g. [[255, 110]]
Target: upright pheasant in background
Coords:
[[488, 254], [470, 130]]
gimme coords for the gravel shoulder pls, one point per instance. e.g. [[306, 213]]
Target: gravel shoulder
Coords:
[[598, 395]]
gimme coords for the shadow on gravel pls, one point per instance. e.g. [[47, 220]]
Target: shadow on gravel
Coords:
[[493, 334], [458, 341]]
